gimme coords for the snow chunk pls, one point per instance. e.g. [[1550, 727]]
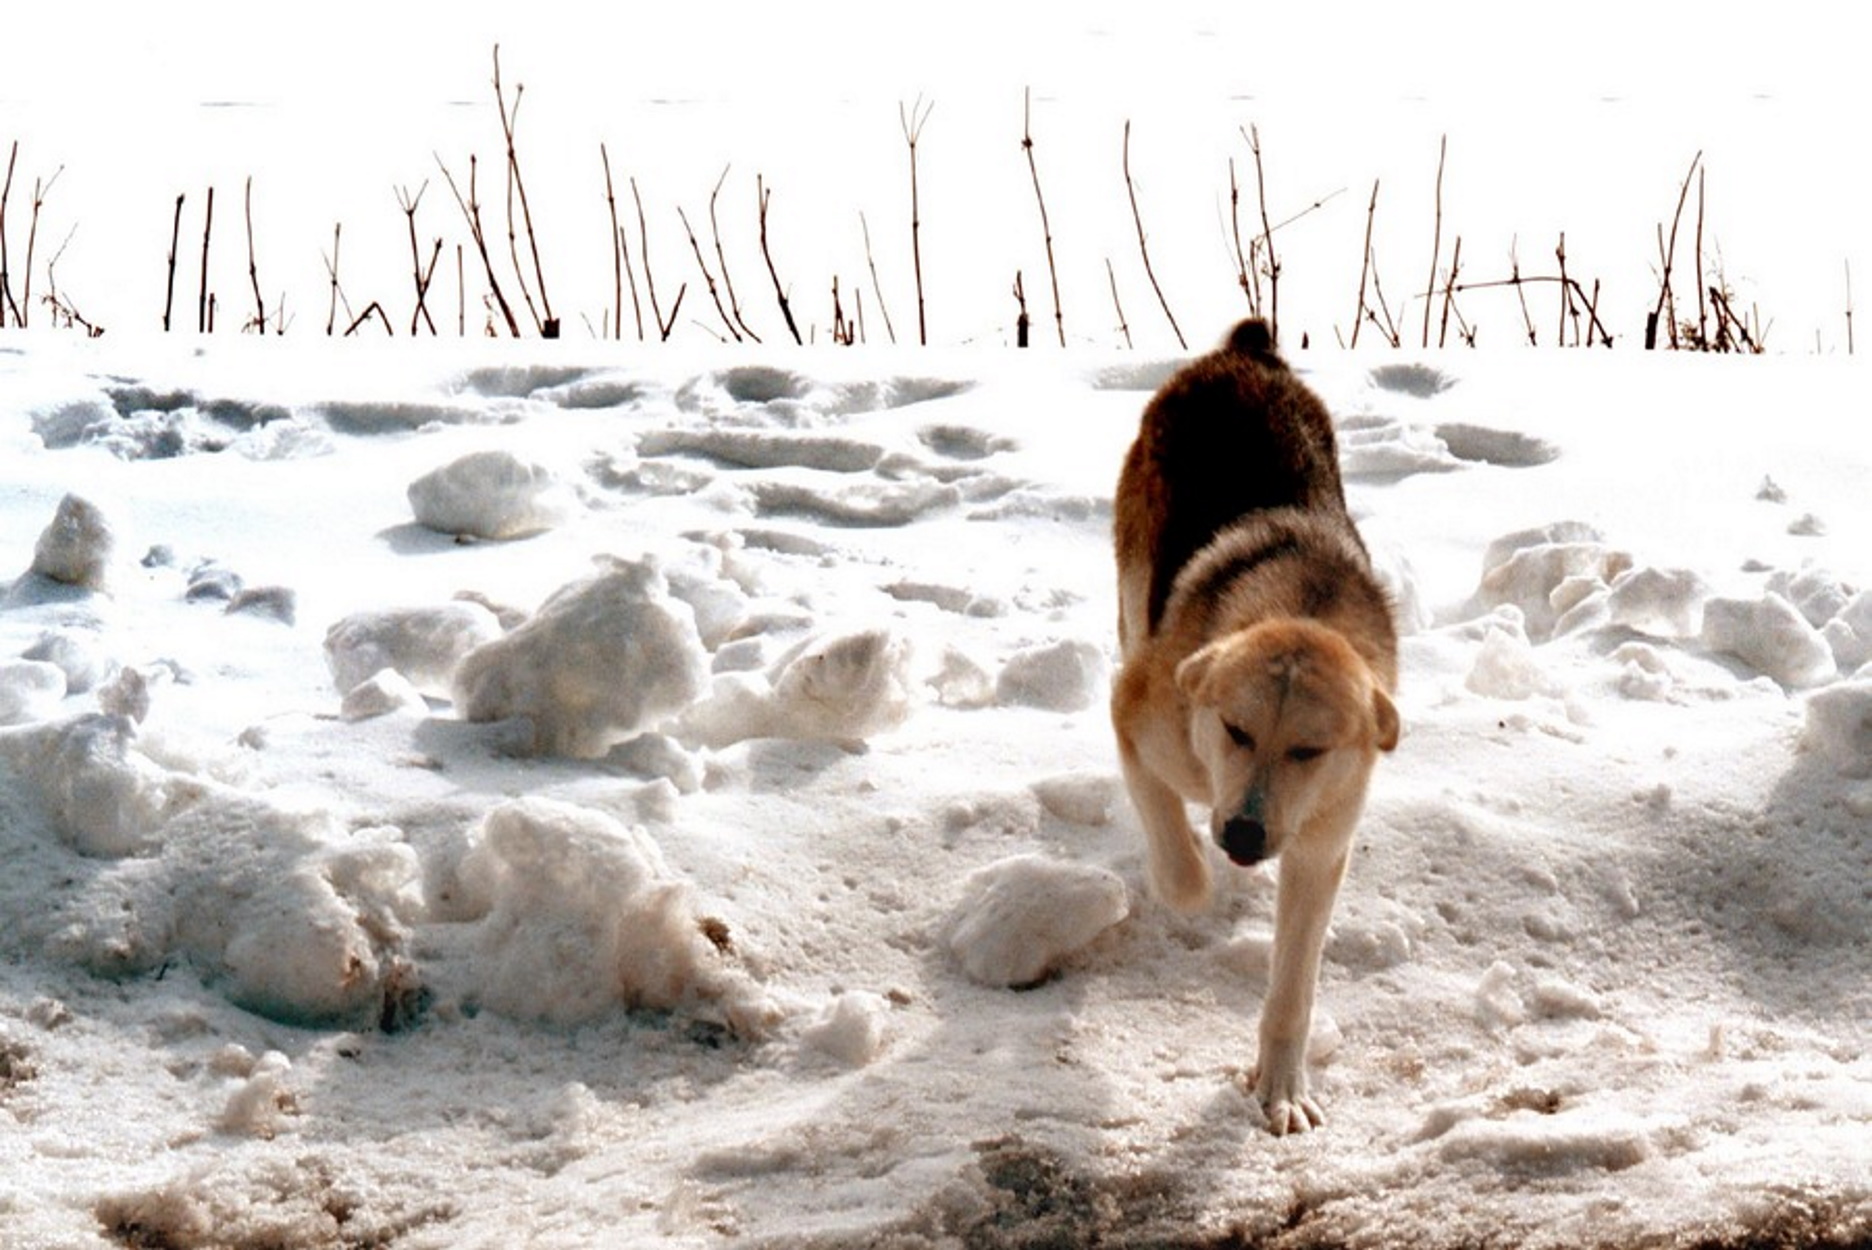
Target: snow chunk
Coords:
[[489, 494], [583, 916], [1505, 668], [29, 690], [1528, 1142], [381, 694], [80, 656], [853, 1030], [1849, 633], [1543, 579], [425, 645], [1065, 676], [104, 799], [603, 659], [74, 550], [1770, 635], [1663, 602], [843, 687], [1020, 917], [834, 688], [1818, 594], [257, 1105], [1839, 725], [1078, 798]]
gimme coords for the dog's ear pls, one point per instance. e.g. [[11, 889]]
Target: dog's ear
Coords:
[[1195, 667], [1385, 717]]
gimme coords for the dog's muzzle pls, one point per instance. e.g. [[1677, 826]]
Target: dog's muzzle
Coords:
[[1244, 840]]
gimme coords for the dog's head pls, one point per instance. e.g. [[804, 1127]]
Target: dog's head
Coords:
[[1287, 720]]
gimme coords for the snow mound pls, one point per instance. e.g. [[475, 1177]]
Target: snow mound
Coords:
[[764, 449], [1066, 676], [29, 690], [1771, 636], [1850, 633], [1839, 725], [582, 916], [73, 551], [834, 687], [425, 645], [1663, 602], [603, 659], [1020, 918], [1546, 572], [489, 494], [382, 693], [103, 798], [846, 686], [853, 1029]]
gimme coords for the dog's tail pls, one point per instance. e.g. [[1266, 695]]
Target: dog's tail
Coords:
[[1253, 339]]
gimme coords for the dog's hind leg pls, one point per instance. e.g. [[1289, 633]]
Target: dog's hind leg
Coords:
[[1177, 864], [1309, 882]]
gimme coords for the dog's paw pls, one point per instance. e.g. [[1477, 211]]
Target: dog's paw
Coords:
[[1286, 1104]]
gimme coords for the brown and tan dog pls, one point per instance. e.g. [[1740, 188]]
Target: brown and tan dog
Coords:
[[1259, 659]]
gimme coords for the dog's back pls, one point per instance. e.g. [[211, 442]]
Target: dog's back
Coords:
[[1233, 433]]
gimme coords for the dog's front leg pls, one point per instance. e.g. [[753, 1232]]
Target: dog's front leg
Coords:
[[1309, 882], [1178, 867]]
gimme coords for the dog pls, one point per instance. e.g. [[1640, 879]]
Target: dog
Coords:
[[1259, 663]]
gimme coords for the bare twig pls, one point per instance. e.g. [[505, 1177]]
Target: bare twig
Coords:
[[721, 259], [1267, 237], [1449, 296], [1702, 308], [32, 241], [1666, 299], [410, 204], [1124, 327], [175, 239], [707, 277], [617, 249], [1046, 229], [1436, 239], [253, 270], [1849, 309], [877, 288], [471, 210], [1023, 324], [203, 300], [913, 122], [331, 267], [763, 195], [364, 316], [1358, 317], [6, 276], [1247, 269], [643, 241], [1514, 269], [1143, 247], [59, 304], [549, 328]]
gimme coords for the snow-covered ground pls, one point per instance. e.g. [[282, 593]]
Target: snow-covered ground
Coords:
[[502, 795]]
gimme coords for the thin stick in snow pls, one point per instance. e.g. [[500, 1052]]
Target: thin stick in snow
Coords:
[[877, 288], [721, 259], [1124, 327], [175, 239], [913, 123], [1436, 239], [1046, 228], [202, 298], [253, 270], [1143, 247], [763, 194]]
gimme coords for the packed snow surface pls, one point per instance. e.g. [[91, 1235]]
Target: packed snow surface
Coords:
[[557, 796]]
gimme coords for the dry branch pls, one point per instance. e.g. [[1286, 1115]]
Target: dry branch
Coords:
[[617, 251], [1143, 247], [203, 300], [1371, 212], [253, 269], [471, 210], [410, 204], [549, 328], [762, 194], [721, 259], [6, 277], [708, 277], [175, 238], [913, 122], [1436, 239], [1667, 301], [1046, 229], [1267, 237], [877, 288], [1124, 327]]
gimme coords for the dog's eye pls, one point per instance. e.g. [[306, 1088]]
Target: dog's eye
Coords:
[[1305, 755], [1240, 737]]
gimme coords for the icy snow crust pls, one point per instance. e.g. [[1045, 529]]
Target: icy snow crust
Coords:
[[738, 856]]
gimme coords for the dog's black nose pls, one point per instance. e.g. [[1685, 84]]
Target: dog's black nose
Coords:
[[1244, 840]]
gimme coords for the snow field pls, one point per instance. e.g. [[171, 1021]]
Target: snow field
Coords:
[[741, 854]]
